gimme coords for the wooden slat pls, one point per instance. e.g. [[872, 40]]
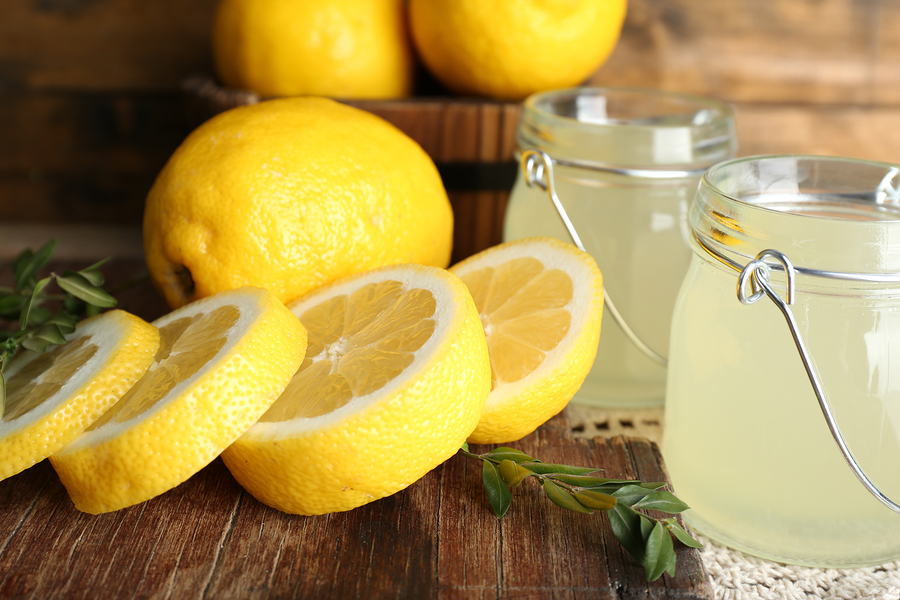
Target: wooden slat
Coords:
[[104, 45], [798, 51]]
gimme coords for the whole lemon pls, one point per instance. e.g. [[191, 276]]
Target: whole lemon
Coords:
[[338, 48], [288, 195], [510, 49]]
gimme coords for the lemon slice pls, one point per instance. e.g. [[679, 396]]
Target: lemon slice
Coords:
[[55, 395], [221, 363], [540, 301], [395, 378]]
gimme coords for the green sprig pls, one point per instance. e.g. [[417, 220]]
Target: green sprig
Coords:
[[81, 295], [646, 538]]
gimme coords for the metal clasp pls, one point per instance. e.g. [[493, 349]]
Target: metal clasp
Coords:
[[537, 167]]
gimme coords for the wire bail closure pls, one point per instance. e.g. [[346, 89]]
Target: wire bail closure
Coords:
[[755, 275], [537, 167]]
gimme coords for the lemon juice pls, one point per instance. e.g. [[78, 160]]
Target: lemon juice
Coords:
[[746, 443], [625, 224], [626, 166]]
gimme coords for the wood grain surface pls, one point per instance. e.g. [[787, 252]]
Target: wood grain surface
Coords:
[[438, 538]]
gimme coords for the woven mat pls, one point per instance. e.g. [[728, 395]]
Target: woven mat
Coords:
[[737, 576]]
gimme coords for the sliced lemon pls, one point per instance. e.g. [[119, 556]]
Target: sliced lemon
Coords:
[[540, 301], [55, 395], [221, 363], [395, 378]]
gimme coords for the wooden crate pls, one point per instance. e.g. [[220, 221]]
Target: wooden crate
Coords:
[[472, 143]]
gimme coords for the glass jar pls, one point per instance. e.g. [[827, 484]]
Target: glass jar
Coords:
[[626, 163], [746, 442]]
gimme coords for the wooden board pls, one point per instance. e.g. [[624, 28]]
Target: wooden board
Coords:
[[207, 538]]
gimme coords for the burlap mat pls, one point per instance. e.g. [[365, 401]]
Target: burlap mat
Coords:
[[737, 576]]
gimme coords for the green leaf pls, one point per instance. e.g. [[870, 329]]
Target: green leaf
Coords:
[[22, 261], [683, 536], [11, 306], [32, 302], [39, 315], [29, 267], [551, 468], [631, 494], [465, 447], [595, 500], [626, 526], [35, 344], [79, 287], [662, 501], [562, 498], [2, 394], [659, 553], [50, 333], [93, 274], [503, 453], [497, 492], [64, 321], [586, 481], [512, 474]]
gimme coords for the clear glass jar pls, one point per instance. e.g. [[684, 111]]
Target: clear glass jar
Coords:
[[627, 163], [745, 442]]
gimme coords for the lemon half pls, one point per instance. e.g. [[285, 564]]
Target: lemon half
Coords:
[[222, 361], [540, 301], [394, 381]]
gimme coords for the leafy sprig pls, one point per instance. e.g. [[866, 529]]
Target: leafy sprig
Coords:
[[38, 327], [648, 539]]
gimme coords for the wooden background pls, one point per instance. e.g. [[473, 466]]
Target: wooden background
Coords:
[[91, 107], [90, 103]]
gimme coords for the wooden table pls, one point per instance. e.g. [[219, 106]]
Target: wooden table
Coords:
[[437, 539]]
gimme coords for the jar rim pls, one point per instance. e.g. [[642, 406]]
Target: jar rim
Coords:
[[629, 128], [848, 198], [835, 217], [540, 104]]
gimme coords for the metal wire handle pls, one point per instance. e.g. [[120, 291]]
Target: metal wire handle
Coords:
[[537, 167], [755, 276]]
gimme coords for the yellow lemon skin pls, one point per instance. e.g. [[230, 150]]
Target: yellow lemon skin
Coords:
[[288, 195], [357, 49], [510, 49], [123, 344], [104, 470], [383, 448]]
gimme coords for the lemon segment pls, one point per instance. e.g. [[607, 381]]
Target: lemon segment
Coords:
[[394, 380], [55, 395], [540, 301], [221, 363]]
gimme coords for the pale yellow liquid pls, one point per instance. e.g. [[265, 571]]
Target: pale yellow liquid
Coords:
[[746, 444], [637, 231]]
